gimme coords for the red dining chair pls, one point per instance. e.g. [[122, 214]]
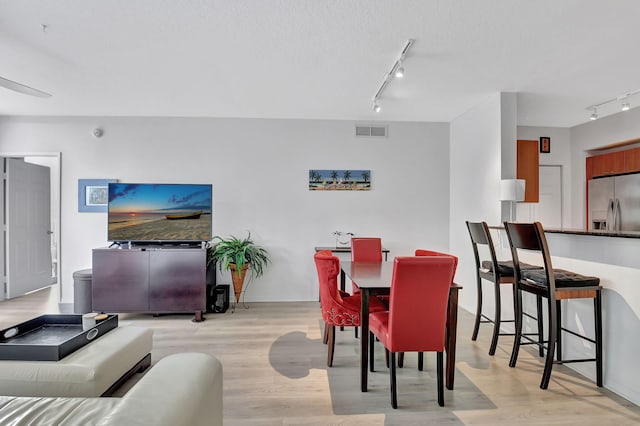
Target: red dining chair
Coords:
[[422, 252], [338, 309], [417, 315], [365, 249]]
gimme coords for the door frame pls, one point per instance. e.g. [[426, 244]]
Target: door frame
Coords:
[[55, 200]]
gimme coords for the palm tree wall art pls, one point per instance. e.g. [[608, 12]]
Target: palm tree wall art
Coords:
[[339, 180]]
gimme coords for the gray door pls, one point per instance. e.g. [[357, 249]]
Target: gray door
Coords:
[[600, 200], [628, 194], [28, 222]]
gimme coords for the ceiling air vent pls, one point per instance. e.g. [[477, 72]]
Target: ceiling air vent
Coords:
[[371, 131]]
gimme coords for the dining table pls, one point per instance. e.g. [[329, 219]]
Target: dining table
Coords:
[[346, 249], [375, 278]]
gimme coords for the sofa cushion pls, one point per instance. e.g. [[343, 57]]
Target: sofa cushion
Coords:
[[505, 267], [16, 410]]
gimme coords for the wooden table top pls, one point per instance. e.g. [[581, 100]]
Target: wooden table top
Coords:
[[371, 274]]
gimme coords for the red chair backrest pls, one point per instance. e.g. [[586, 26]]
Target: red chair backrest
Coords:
[[328, 267], [366, 249], [418, 303], [421, 252], [335, 309]]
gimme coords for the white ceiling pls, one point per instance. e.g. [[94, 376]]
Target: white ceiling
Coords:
[[318, 59]]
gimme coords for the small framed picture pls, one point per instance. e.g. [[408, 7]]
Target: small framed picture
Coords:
[[545, 144], [93, 194]]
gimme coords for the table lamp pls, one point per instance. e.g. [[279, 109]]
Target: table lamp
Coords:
[[512, 190]]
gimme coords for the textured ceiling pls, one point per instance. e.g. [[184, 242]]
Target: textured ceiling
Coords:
[[318, 59]]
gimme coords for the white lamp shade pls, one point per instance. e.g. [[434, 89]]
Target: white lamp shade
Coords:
[[512, 190]]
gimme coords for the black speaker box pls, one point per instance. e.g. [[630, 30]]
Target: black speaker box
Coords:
[[219, 299]]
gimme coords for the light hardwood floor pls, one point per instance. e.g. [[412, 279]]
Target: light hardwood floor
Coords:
[[275, 373]]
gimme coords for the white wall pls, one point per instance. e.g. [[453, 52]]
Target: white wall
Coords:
[[560, 155], [259, 171], [476, 152], [508, 135], [595, 134]]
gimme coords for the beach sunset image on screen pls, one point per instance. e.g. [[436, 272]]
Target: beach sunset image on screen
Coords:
[[159, 212]]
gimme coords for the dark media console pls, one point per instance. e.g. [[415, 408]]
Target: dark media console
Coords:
[[150, 278]]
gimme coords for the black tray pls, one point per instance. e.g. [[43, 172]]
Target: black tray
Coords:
[[50, 337]]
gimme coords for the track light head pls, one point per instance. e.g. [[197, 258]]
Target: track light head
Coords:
[[399, 71], [625, 105], [594, 115], [376, 106]]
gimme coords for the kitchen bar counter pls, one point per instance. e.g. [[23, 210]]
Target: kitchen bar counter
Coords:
[[597, 233], [608, 247]]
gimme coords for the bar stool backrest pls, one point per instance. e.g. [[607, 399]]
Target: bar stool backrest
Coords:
[[530, 236], [480, 235]]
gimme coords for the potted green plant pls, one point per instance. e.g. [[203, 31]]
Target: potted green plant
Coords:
[[238, 255]]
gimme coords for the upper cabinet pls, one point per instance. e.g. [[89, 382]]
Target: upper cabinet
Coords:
[[608, 164], [527, 168], [632, 160], [613, 163]]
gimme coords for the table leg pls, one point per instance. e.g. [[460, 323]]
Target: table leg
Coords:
[[364, 338], [452, 326]]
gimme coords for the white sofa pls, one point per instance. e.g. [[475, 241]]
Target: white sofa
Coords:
[[181, 389]]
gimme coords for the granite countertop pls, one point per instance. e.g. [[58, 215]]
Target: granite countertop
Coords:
[[598, 233]]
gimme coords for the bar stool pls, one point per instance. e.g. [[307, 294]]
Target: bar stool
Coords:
[[497, 272], [555, 285]]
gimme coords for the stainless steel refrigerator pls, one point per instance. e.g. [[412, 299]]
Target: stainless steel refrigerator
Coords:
[[614, 203]]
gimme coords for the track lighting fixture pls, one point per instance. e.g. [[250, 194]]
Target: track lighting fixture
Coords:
[[625, 105], [397, 71]]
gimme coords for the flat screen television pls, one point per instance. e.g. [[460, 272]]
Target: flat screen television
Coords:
[[159, 213]]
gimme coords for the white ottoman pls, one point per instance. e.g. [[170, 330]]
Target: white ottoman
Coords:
[[181, 389], [93, 370]]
